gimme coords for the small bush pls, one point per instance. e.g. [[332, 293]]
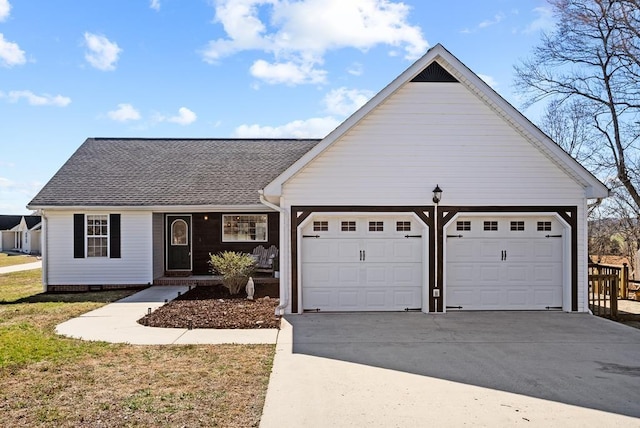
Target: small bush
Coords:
[[235, 268]]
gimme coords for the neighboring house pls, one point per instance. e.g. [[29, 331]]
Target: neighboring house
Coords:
[[20, 233], [354, 214]]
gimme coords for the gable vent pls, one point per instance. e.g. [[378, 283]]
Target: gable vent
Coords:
[[434, 73]]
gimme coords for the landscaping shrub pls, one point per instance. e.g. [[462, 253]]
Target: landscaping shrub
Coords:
[[235, 268]]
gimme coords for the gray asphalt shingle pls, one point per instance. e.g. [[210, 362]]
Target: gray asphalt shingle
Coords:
[[147, 172]]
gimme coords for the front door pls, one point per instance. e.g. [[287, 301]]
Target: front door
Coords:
[[178, 242]]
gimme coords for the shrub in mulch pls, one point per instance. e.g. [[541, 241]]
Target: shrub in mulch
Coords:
[[214, 307]]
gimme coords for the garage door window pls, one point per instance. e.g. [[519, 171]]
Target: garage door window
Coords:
[[348, 226], [491, 226], [320, 226], [376, 226], [403, 226], [463, 225], [544, 226], [517, 226]]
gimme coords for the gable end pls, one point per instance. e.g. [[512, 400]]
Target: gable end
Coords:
[[435, 73]]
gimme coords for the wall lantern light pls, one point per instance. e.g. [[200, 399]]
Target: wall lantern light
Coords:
[[437, 194]]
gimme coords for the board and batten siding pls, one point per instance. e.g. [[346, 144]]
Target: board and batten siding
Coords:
[[133, 267], [437, 133]]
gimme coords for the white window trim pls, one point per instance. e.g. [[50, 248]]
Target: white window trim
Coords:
[[266, 234], [87, 236]]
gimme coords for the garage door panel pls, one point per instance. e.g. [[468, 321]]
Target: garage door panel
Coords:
[[518, 273], [369, 270], [376, 276], [516, 268], [348, 275], [547, 249], [488, 273]]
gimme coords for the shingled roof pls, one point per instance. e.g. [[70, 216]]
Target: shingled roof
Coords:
[[159, 172]]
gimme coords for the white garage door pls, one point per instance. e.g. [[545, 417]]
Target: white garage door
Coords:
[[352, 263], [504, 264]]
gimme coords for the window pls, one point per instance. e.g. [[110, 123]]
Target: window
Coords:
[[179, 233], [376, 226], [517, 226], [403, 226], [320, 226], [544, 226], [491, 225], [244, 227], [97, 235], [463, 225], [348, 226]]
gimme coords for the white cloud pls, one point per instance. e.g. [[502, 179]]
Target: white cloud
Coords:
[[124, 113], [37, 100], [101, 52], [184, 117], [5, 9], [543, 22], [355, 69], [497, 18], [489, 80], [154, 4], [343, 101], [298, 34], [10, 53], [288, 73], [317, 127]]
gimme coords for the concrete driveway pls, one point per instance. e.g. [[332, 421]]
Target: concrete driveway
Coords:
[[473, 368]]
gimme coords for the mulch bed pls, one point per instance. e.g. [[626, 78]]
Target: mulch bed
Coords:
[[214, 307]]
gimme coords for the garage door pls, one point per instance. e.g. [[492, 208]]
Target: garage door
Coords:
[[352, 263], [504, 264]]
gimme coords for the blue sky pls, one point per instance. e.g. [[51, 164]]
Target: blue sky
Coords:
[[70, 70]]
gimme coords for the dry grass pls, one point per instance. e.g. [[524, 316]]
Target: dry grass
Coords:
[[18, 259], [49, 380]]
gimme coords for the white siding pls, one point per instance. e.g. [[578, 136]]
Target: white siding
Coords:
[[428, 134], [437, 133], [134, 267]]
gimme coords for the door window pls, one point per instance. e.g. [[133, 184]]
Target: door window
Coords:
[[179, 233]]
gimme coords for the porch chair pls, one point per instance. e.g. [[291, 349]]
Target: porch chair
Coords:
[[264, 258]]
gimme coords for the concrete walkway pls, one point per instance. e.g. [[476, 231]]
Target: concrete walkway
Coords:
[[117, 323], [18, 268], [488, 369]]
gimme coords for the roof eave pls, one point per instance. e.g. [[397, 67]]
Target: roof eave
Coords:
[[154, 208]]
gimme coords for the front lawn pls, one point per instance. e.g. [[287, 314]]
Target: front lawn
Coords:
[[48, 380]]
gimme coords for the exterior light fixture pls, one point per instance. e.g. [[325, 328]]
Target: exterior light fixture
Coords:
[[437, 194]]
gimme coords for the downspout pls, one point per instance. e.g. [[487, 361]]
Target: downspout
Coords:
[[284, 300]]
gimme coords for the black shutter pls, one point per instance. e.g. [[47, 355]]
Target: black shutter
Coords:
[[114, 236], [78, 236]]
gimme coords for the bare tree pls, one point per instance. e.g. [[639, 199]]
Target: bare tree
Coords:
[[589, 63]]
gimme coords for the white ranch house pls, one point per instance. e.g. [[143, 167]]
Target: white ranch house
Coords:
[[353, 215]]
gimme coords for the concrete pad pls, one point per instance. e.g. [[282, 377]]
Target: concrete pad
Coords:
[[18, 268], [475, 369]]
